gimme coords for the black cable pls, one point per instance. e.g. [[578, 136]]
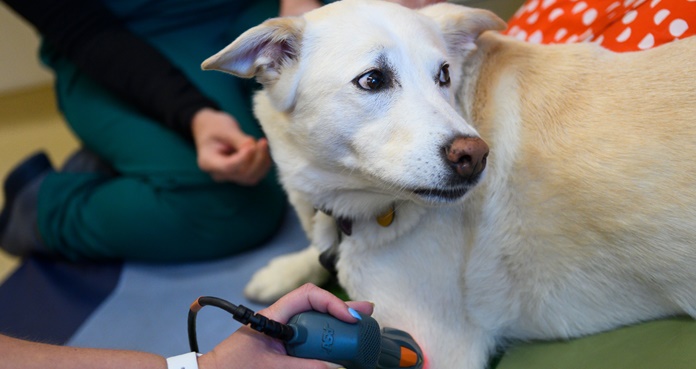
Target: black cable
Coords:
[[241, 314]]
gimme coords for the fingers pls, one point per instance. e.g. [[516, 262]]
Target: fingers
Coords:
[[290, 362], [264, 162], [247, 348], [258, 164], [364, 307], [311, 297], [291, 8], [226, 152], [246, 165]]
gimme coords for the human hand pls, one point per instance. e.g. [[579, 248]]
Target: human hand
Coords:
[[227, 153], [249, 349], [291, 8], [416, 4]]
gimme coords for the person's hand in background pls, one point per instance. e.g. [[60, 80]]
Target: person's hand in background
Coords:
[[227, 153], [291, 8]]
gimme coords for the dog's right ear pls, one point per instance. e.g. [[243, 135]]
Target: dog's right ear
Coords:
[[261, 51], [461, 25]]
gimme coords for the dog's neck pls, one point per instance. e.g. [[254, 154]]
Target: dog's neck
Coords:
[[329, 256], [345, 225]]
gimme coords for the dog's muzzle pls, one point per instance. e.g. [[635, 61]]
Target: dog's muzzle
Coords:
[[467, 157]]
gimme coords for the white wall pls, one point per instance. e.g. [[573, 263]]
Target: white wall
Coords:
[[19, 65]]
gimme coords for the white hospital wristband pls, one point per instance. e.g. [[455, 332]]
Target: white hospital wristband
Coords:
[[184, 361]]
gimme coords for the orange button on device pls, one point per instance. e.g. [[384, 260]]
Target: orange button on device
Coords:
[[408, 358]]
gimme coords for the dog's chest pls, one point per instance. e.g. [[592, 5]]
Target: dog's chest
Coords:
[[414, 271]]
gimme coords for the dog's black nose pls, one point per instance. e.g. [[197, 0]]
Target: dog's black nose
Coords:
[[467, 156]]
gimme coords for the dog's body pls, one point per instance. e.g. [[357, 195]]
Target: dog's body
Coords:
[[584, 219]]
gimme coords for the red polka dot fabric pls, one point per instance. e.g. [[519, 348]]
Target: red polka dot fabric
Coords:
[[618, 25]]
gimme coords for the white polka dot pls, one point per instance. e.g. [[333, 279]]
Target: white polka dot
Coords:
[[513, 30], [519, 12], [654, 2], [532, 5], [587, 35], [628, 2], [660, 16], [624, 35], [579, 7], [599, 39], [678, 27], [546, 3], [572, 39], [521, 35], [533, 18], [555, 14], [629, 17], [589, 16], [647, 42], [613, 6], [536, 37], [560, 34]]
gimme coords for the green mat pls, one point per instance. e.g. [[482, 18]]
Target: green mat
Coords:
[[660, 344]]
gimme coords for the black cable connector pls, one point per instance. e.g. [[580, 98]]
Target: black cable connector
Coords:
[[241, 314]]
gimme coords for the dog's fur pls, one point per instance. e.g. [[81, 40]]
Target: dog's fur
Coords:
[[584, 219]]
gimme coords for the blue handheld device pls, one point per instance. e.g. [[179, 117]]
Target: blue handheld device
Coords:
[[315, 335], [362, 345]]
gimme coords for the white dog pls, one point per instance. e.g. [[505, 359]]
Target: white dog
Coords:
[[382, 117]]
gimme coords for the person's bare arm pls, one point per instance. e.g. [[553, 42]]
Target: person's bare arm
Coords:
[[244, 349]]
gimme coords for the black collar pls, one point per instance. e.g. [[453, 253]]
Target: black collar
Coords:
[[345, 225], [329, 257]]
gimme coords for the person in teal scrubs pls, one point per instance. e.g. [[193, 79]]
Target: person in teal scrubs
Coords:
[[173, 165]]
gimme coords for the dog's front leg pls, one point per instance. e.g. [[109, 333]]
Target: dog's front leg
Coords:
[[470, 348], [287, 272], [447, 336]]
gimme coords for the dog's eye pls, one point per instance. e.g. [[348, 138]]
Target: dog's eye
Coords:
[[444, 77], [372, 80]]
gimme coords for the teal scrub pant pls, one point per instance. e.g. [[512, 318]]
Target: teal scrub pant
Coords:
[[161, 206]]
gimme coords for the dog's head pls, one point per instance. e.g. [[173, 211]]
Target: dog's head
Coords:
[[359, 98]]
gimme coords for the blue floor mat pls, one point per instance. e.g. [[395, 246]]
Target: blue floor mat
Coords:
[[132, 305]]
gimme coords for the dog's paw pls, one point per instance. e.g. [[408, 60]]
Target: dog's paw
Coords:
[[285, 273]]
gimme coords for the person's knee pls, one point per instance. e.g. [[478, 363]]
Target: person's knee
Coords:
[[233, 223]]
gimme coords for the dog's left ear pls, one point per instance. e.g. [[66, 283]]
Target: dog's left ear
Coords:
[[461, 25], [261, 51]]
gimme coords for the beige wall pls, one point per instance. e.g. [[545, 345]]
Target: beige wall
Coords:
[[19, 65], [20, 69], [503, 8]]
